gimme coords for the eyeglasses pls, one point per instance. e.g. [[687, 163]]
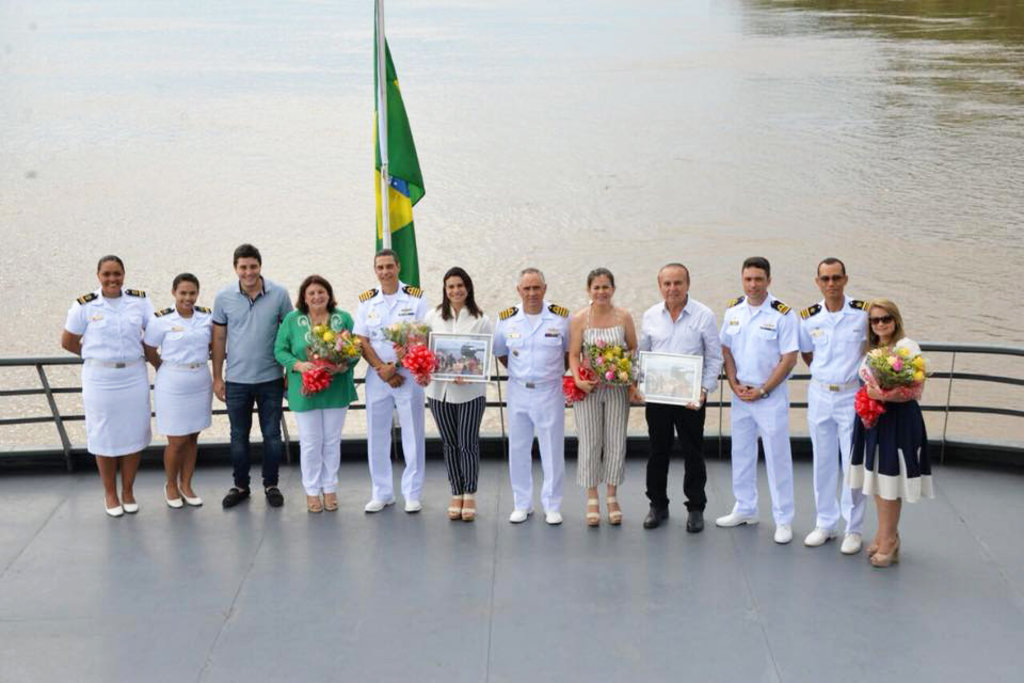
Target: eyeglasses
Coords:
[[831, 278], [884, 320]]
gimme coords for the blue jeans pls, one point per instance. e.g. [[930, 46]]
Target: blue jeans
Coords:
[[268, 397]]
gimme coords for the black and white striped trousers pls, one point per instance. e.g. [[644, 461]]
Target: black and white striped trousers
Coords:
[[459, 425]]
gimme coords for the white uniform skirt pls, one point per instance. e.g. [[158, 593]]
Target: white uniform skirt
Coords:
[[116, 409], [184, 397]]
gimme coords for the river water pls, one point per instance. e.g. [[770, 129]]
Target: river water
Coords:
[[564, 135]]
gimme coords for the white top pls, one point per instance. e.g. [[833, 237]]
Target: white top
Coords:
[[694, 332], [182, 341], [442, 390], [112, 329], [376, 313], [837, 340], [758, 336], [535, 354]]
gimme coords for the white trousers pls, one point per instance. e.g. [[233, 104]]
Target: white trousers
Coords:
[[541, 412], [381, 400], [320, 448], [769, 419], [830, 417]]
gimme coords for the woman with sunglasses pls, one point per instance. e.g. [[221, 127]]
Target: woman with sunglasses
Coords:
[[890, 460]]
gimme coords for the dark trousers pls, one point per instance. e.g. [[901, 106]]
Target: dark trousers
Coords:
[[268, 397], [663, 423], [459, 426]]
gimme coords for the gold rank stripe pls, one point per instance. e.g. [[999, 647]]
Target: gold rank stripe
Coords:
[[809, 311], [86, 298], [734, 302], [413, 291], [367, 295], [135, 292], [781, 307], [508, 313], [202, 309], [858, 304], [561, 311], [165, 312]]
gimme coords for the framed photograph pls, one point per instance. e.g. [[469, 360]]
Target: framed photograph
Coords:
[[461, 355], [671, 378]]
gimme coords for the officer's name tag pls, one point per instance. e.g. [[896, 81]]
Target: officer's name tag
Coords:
[[734, 322], [553, 332], [768, 326], [817, 332], [405, 311]]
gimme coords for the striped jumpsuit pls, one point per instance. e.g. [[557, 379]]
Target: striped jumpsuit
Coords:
[[601, 420]]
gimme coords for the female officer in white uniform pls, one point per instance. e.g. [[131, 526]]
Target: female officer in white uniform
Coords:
[[105, 328], [183, 390]]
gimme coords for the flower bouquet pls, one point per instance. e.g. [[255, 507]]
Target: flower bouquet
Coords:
[[613, 364], [331, 352], [410, 342], [572, 392], [898, 374]]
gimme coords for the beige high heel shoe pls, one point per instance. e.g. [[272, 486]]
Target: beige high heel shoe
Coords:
[[468, 508], [455, 508], [614, 513], [593, 512], [880, 560]]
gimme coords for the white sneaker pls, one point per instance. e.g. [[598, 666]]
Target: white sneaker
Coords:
[[735, 519], [851, 544], [413, 506], [519, 516], [783, 534], [376, 505], [819, 537], [553, 517]]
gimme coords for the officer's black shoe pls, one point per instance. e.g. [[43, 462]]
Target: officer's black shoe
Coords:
[[234, 497], [275, 498], [655, 517], [695, 521]]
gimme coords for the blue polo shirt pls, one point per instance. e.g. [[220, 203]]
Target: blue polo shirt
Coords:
[[251, 327]]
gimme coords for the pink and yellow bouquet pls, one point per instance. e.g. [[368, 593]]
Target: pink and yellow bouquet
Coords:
[[331, 352], [613, 364], [410, 342], [897, 373]]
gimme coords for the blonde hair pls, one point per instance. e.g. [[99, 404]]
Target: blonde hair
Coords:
[[892, 309]]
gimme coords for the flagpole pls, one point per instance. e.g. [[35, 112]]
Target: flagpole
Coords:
[[382, 128]]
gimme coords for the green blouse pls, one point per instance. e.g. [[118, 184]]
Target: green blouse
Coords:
[[290, 348]]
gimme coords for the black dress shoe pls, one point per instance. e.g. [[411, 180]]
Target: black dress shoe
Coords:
[[695, 521], [275, 498], [234, 497], [655, 517]]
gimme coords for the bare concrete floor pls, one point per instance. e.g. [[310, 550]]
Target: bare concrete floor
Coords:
[[259, 594]]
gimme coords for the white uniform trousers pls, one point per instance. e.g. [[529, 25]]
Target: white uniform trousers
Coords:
[[830, 416], [381, 400], [320, 448], [539, 411], [769, 418]]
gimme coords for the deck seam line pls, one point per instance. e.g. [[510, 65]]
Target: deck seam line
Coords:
[[35, 535], [494, 580]]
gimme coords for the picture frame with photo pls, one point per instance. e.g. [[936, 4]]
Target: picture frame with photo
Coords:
[[671, 378], [461, 355]]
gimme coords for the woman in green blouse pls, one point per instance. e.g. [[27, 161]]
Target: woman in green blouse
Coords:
[[321, 416]]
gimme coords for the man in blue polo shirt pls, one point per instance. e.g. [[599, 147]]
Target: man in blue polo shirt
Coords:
[[246, 316]]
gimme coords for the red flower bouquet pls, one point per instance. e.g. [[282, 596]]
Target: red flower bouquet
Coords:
[[572, 392], [868, 409], [421, 362]]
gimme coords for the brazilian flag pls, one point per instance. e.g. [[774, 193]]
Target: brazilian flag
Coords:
[[406, 181]]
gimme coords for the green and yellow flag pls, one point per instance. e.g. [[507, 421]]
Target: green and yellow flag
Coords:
[[406, 181]]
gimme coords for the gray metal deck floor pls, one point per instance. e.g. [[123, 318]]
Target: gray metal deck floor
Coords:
[[261, 594]]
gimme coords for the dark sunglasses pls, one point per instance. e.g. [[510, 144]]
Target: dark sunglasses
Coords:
[[831, 278], [884, 320]]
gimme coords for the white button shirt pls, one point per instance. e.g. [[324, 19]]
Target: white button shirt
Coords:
[[182, 341], [375, 314], [758, 337], [837, 341], [694, 333], [462, 322], [111, 329], [534, 355]]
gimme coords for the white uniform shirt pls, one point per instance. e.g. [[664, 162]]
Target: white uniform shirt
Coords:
[[837, 341], [376, 313], [535, 354], [463, 322], [182, 341], [694, 333], [111, 329], [757, 338]]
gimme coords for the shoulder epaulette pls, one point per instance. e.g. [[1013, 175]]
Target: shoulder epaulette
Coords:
[[165, 312], [508, 312], [560, 311], [86, 298], [135, 292], [201, 309], [858, 304], [735, 302], [810, 310], [367, 295], [413, 291], [780, 307]]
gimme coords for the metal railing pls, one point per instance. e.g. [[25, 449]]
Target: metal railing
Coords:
[[47, 390]]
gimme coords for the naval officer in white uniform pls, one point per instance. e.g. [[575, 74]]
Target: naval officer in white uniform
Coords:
[[532, 341], [105, 328], [183, 390], [760, 341], [390, 386], [833, 333]]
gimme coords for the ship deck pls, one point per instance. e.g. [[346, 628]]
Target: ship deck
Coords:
[[256, 593]]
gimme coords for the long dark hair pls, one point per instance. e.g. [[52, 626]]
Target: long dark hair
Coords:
[[300, 303], [446, 306]]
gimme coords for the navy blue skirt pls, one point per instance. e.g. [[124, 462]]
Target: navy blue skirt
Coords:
[[891, 459]]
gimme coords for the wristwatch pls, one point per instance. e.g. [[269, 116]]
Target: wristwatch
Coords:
[[764, 392]]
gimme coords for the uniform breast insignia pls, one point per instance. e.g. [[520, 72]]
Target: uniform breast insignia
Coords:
[[735, 302], [135, 292], [781, 307], [560, 311], [508, 313], [201, 309], [858, 304], [86, 298], [165, 312], [413, 291], [810, 310], [367, 295]]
